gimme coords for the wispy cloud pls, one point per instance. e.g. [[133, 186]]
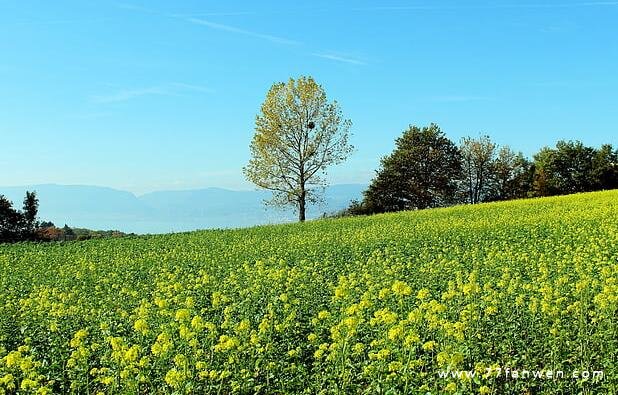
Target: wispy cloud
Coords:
[[190, 87], [197, 19], [429, 7], [236, 30], [170, 89], [207, 14], [87, 116], [44, 22], [135, 7], [129, 94], [459, 98], [339, 58]]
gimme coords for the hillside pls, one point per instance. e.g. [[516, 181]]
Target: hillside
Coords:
[[381, 304]]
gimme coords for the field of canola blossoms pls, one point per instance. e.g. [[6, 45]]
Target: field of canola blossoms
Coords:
[[379, 304]]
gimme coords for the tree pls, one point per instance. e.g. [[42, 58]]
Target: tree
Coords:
[[478, 157], [298, 135], [10, 221], [68, 233], [605, 168], [566, 169], [541, 184], [511, 175], [30, 210], [421, 172]]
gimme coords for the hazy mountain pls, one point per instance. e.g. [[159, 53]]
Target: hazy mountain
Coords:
[[167, 211]]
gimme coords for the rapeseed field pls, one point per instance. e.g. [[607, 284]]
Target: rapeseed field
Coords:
[[439, 301]]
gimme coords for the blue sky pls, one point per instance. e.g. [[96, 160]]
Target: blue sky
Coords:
[[150, 95]]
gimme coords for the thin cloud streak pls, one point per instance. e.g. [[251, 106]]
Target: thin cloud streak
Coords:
[[207, 14], [57, 22], [171, 89], [459, 98], [232, 29], [194, 19], [489, 6], [339, 58]]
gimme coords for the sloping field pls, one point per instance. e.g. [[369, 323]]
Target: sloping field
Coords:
[[382, 304]]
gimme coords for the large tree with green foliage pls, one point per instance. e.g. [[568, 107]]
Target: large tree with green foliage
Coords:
[[477, 157], [567, 168], [298, 135], [511, 175], [421, 172]]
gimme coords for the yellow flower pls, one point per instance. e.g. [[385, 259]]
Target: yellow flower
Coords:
[[430, 345], [450, 387], [28, 384], [141, 326], [174, 378], [78, 338], [182, 315], [13, 359], [395, 333], [131, 354], [243, 326], [358, 348], [383, 354], [422, 294], [197, 323], [401, 288]]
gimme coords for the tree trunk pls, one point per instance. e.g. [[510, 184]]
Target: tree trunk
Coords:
[[301, 205]]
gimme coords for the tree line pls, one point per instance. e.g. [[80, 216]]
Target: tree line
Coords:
[[426, 169], [18, 225], [299, 134], [23, 225]]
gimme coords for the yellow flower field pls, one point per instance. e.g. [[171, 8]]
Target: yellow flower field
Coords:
[[385, 304]]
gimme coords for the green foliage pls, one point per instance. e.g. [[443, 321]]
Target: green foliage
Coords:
[[421, 172], [488, 173], [375, 304], [565, 169], [573, 167], [18, 225], [298, 135], [512, 175], [478, 158], [605, 168]]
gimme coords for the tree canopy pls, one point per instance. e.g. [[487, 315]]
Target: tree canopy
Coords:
[[427, 170], [18, 225], [421, 172], [299, 134]]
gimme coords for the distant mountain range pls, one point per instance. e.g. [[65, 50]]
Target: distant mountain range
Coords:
[[167, 211]]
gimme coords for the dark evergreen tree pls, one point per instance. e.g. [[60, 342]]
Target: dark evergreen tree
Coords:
[[421, 172], [30, 210]]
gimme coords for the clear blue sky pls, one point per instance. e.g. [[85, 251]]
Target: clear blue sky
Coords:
[[148, 95]]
